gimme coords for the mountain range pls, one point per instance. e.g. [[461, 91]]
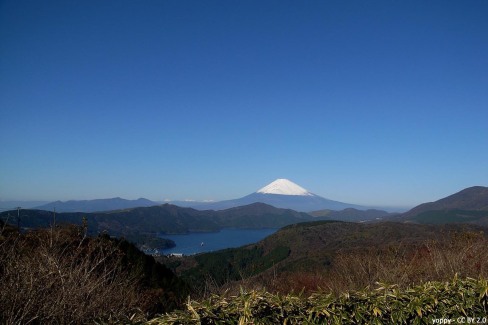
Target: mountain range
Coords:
[[468, 205], [138, 224], [281, 193]]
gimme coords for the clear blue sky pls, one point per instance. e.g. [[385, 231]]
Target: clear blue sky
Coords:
[[367, 102]]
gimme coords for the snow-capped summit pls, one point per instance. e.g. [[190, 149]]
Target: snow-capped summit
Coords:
[[284, 186]]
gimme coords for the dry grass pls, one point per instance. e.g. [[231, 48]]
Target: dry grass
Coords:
[[60, 276]]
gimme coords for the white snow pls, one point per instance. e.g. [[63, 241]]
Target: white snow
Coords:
[[284, 187]]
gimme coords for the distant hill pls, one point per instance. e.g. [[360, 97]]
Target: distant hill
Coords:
[[95, 205], [141, 224], [467, 206], [351, 214]]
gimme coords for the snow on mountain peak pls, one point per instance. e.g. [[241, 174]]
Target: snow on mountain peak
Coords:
[[284, 187]]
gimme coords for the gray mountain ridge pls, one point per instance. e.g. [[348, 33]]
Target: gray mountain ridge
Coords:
[[96, 205]]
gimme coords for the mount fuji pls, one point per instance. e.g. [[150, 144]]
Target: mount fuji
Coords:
[[282, 193]]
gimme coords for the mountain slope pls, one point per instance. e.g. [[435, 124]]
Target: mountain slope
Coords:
[[467, 206], [96, 205]]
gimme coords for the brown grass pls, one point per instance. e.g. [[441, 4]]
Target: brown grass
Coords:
[[60, 276]]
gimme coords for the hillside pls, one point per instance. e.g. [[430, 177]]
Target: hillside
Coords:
[[313, 247]]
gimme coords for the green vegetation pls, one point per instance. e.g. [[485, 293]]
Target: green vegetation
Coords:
[[385, 304]]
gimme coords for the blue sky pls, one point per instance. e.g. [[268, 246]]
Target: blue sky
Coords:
[[367, 102]]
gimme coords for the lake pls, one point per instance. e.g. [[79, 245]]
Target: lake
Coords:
[[199, 242]]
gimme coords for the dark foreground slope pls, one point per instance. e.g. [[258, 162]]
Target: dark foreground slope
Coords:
[[61, 276]]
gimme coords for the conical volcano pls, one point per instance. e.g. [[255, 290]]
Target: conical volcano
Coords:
[[283, 193]]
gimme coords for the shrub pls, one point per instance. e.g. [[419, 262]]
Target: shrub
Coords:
[[384, 305]]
